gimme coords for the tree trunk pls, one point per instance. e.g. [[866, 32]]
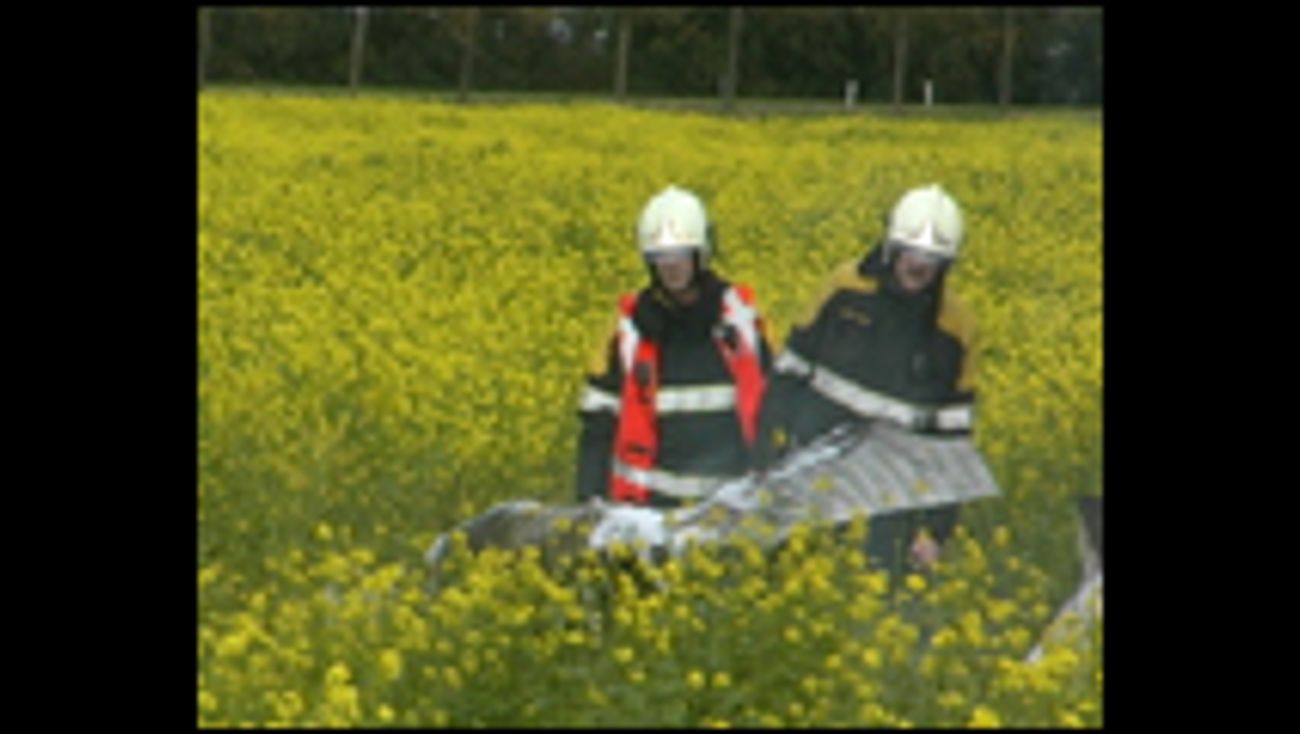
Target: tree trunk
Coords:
[[469, 38], [205, 43], [624, 44], [360, 23], [1008, 51], [900, 55], [731, 81]]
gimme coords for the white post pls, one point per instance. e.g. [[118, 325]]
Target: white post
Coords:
[[929, 93], [361, 18], [850, 93]]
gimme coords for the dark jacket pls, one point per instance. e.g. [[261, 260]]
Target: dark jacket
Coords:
[[707, 444], [915, 349]]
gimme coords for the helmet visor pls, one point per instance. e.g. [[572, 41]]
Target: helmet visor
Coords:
[[919, 254], [670, 253]]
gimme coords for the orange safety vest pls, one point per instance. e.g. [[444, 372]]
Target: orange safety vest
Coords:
[[636, 442]]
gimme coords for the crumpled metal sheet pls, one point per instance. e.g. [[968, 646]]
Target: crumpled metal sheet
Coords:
[[855, 470], [1076, 621]]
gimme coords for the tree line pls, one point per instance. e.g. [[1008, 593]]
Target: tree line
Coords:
[[969, 55]]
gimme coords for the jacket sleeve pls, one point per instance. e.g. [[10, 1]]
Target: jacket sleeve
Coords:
[[598, 414], [787, 383], [956, 414]]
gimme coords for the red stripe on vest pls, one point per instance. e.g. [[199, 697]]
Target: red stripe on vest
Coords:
[[637, 441]]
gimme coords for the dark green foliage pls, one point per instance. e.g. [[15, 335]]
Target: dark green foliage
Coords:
[[789, 52]]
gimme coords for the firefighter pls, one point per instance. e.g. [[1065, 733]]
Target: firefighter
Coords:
[[885, 340], [671, 402]]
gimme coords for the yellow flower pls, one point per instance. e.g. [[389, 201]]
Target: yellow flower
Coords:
[[721, 679], [390, 664], [915, 582], [972, 627], [232, 645], [324, 532], [337, 675], [793, 635], [951, 700], [209, 575], [945, 637], [385, 713], [1070, 720], [289, 705], [623, 617], [871, 657], [623, 654], [809, 684], [984, 717], [1001, 536], [873, 714], [695, 679], [207, 701], [344, 702], [452, 676]]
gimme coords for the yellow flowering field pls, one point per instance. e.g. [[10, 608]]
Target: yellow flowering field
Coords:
[[397, 299]]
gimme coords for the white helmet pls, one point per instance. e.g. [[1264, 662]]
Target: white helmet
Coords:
[[674, 219], [927, 219]]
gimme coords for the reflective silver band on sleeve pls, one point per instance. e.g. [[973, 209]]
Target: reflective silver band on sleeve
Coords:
[[701, 399], [791, 363], [862, 401], [955, 418], [675, 485], [595, 400], [872, 404]]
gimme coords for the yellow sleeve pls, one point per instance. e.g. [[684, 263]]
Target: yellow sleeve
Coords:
[[956, 319], [604, 349]]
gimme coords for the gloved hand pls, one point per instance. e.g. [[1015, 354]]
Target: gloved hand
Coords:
[[924, 551]]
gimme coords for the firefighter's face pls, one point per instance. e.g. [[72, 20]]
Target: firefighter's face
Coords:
[[676, 269], [915, 270]]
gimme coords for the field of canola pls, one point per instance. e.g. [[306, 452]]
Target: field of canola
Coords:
[[396, 302]]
